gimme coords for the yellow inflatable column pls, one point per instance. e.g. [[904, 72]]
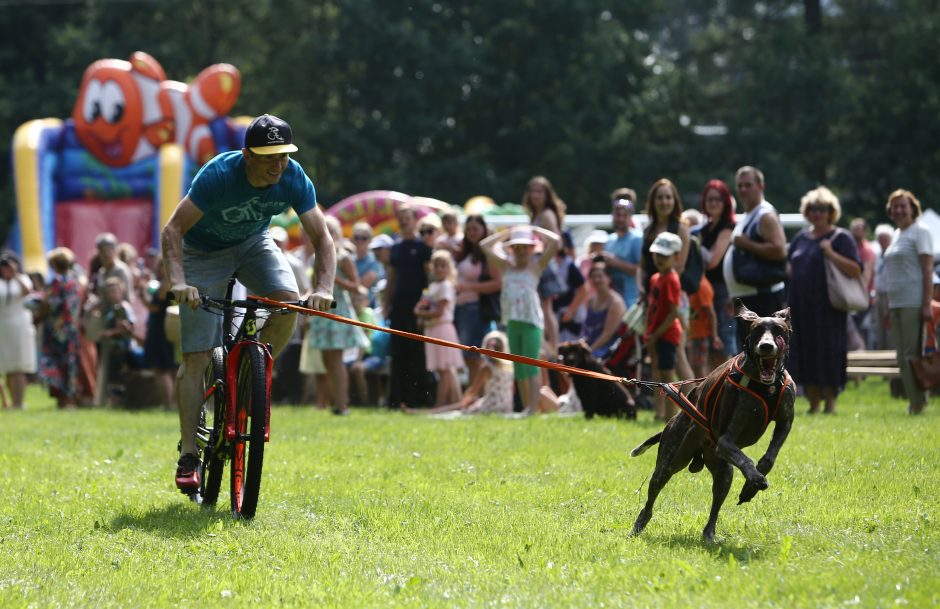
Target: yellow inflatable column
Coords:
[[170, 185], [28, 196]]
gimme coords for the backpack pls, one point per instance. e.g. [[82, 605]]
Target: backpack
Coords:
[[694, 267]]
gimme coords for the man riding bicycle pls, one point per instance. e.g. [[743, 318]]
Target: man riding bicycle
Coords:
[[220, 228]]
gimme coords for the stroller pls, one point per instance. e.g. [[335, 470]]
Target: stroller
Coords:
[[626, 357]]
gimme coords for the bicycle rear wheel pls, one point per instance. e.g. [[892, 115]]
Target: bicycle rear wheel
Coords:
[[210, 435], [250, 414]]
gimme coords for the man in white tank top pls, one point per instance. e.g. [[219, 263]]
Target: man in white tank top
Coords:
[[772, 246]]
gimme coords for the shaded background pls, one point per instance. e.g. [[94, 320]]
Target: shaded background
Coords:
[[451, 99]]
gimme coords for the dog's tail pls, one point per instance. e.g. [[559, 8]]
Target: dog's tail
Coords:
[[642, 448]]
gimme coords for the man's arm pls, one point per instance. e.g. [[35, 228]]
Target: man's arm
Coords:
[[611, 260], [389, 291], [324, 267], [184, 217], [774, 246]]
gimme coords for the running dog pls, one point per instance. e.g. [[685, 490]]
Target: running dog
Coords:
[[732, 409], [598, 397]]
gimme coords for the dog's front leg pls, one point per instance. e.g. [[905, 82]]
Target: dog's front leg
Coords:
[[781, 431], [728, 450], [782, 427]]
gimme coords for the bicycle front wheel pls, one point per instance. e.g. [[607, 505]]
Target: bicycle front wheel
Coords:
[[250, 420], [211, 430]]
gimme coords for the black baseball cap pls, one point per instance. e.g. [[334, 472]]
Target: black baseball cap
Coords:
[[268, 134]]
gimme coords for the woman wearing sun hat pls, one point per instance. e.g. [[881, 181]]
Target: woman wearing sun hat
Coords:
[[521, 308]]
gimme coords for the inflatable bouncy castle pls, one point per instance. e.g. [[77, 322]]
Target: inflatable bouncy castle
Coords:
[[123, 160]]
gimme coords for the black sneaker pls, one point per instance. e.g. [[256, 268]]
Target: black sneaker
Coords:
[[187, 473]]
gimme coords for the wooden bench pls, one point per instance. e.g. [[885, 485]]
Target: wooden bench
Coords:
[[873, 363]]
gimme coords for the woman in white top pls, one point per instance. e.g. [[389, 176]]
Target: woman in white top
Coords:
[[909, 275], [18, 342]]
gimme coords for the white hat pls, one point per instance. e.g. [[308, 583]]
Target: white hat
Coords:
[[520, 235], [597, 236], [380, 241], [666, 244]]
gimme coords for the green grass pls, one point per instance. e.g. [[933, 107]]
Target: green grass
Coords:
[[380, 509]]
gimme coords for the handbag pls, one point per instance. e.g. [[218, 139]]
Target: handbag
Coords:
[[93, 324], [635, 317], [691, 277], [489, 303], [750, 269], [845, 293], [926, 366]]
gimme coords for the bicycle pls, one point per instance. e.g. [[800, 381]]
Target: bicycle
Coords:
[[235, 418]]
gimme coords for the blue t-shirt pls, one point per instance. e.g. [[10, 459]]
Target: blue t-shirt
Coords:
[[629, 249], [234, 210]]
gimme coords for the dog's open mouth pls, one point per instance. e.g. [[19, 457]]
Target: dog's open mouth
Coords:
[[768, 369]]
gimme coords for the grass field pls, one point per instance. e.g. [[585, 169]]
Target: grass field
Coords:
[[380, 509]]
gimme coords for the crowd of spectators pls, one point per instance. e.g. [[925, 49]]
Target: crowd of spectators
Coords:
[[84, 331]]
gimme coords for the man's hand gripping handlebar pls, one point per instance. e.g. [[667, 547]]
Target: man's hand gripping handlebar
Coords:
[[319, 301], [188, 295]]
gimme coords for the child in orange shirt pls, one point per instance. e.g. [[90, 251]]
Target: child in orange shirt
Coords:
[[703, 328], [663, 328]]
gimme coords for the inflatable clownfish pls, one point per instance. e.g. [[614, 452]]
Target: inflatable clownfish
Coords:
[[126, 110]]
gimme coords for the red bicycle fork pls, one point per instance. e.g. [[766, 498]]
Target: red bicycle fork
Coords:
[[231, 380]]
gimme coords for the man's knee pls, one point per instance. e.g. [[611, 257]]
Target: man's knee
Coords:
[[193, 363]]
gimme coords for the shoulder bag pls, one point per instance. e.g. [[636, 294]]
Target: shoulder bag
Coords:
[[635, 317], [489, 303], [753, 270], [845, 293]]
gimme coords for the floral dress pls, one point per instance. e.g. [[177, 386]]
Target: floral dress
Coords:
[[329, 334], [497, 391], [59, 365]]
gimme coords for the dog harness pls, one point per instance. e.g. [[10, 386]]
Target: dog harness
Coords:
[[708, 415]]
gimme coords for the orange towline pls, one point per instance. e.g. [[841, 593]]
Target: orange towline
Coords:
[[490, 352]]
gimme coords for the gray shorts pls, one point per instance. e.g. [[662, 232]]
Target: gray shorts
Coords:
[[261, 267]]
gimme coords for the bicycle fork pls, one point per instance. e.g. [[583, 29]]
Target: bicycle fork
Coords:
[[231, 379]]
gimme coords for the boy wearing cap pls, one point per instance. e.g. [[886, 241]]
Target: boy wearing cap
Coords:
[[220, 228], [663, 329]]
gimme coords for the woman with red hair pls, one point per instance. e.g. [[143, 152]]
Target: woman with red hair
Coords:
[[718, 207]]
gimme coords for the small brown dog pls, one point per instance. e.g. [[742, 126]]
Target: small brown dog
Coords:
[[737, 402]]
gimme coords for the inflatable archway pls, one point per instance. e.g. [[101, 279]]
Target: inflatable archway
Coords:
[[123, 160], [378, 208]]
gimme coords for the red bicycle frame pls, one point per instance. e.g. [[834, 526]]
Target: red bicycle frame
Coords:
[[231, 381]]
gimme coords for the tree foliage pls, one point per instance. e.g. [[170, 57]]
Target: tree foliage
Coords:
[[451, 99]]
